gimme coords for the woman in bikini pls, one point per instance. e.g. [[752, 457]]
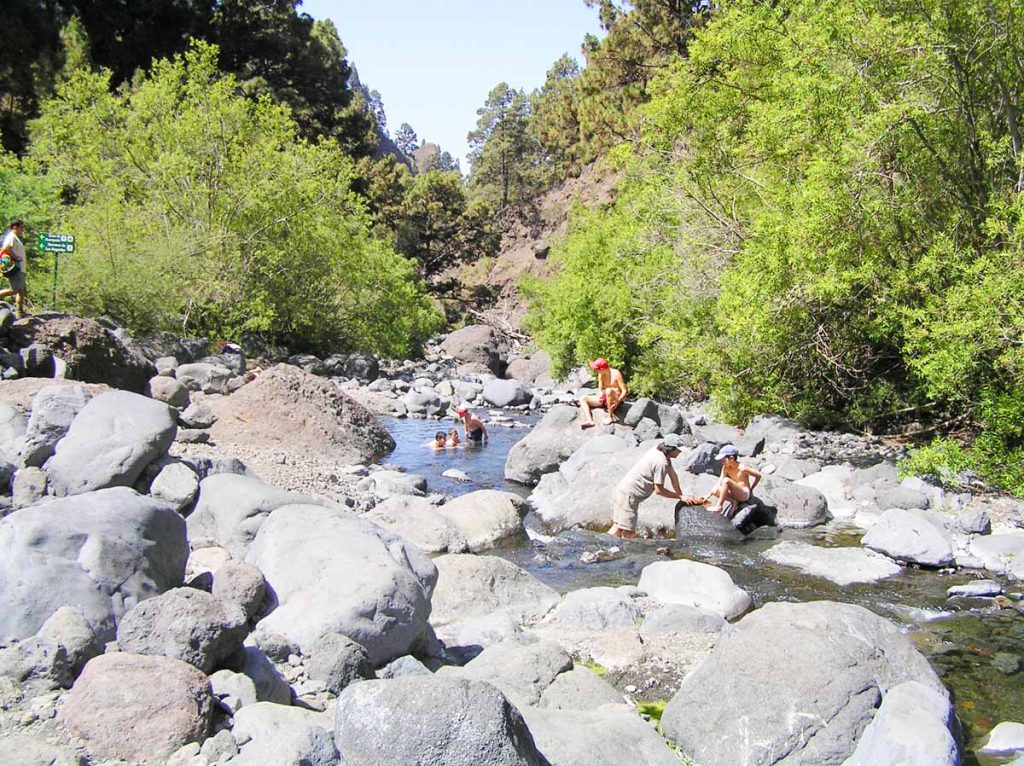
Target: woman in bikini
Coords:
[[736, 483]]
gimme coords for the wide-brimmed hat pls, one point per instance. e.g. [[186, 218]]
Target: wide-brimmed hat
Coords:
[[727, 451]]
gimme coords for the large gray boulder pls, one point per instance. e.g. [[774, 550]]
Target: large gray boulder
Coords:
[[138, 708], [843, 566], [386, 484], [551, 441], [579, 689], [418, 521], [205, 377], [679, 619], [506, 393], [521, 670], [231, 509], [418, 720], [115, 436], [916, 536], [176, 484], [168, 390], [693, 583], [804, 680], [609, 737], [797, 506], [53, 409], [532, 371], [335, 574], [601, 608], [184, 623], [1002, 553], [914, 726], [486, 518], [277, 734], [776, 430], [101, 551], [473, 586], [12, 430], [91, 352], [475, 344]]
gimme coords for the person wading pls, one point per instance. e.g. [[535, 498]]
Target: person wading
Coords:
[[611, 392], [647, 477]]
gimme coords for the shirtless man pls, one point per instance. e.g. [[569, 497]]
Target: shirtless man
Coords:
[[475, 431], [736, 483], [611, 392]]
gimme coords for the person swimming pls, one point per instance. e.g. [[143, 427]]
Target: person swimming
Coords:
[[439, 440], [453, 438]]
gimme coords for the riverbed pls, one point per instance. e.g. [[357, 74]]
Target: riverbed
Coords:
[[963, 638]]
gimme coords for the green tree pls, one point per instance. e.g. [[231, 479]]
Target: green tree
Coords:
[[505, 160], [555, 121], [406, 139], [843, 182], [198, 209], [642, 38], [439, 228]]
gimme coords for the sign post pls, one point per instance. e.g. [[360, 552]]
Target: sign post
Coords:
[[48, 242]]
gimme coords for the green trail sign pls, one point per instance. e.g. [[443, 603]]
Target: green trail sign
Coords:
[[48, 242]]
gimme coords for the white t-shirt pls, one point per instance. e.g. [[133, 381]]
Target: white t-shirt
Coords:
[[649, 470], [12, 241]]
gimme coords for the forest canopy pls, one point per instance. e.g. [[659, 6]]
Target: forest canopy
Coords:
[[821, 215], [199, 209]]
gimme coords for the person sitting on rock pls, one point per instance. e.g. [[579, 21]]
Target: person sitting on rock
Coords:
[[439, 440], [736, 483], [611, 392], [475, 431], [453, 438], [645, 478]]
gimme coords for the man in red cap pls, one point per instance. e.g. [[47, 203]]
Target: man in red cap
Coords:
[[611, 392]]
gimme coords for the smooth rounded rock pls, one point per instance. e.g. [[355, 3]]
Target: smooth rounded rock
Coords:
[[692, 583], [398, 722], [804, 678], [101, 552], [910, 535], [138, 708], [114, 437]]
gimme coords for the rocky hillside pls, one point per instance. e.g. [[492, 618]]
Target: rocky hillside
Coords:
[[527, 232]]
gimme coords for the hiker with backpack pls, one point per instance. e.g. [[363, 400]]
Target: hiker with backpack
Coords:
[[12, 265]]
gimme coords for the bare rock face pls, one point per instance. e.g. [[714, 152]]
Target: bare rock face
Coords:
[[138, 708], [287, 407], [93, 353]]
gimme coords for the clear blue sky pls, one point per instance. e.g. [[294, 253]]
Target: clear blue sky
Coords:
[[434, 61]]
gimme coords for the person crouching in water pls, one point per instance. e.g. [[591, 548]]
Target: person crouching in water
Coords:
[[475, 431], [611, 392], [645, 478], [453, 438], [736, 483], [439, 440]]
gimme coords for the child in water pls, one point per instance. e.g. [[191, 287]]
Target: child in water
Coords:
[[439, 440], [453, 438]]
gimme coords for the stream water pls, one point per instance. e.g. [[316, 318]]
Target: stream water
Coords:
[[964, 639]]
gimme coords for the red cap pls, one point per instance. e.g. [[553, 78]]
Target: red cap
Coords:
[[599, 364]]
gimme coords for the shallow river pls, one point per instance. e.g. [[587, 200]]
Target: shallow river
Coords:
[[962, 639]]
